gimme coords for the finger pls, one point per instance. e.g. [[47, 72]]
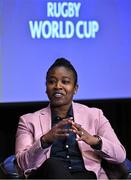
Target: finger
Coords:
[[80, 133], [76, 132], [69, 118], [64, 122], [61, 135], [79, 139], [62, 132], [74, 127], [77, 126]]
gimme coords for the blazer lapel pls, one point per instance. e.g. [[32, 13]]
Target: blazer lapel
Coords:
[[45, 119], [77, 114]]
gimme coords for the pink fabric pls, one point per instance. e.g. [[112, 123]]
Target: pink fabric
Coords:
[[32, 126]]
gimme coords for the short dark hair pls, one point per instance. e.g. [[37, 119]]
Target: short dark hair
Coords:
[[65, 63]]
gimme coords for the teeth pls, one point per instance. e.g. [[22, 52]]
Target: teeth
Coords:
[[58, 95]]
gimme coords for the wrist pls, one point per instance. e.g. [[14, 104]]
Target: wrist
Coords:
[[98, 144], [44, 143], [98, 139]]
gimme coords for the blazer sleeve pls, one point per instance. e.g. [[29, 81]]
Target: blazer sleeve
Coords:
[[112, 149], [29, 153]]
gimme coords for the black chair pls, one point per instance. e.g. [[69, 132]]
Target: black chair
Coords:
[[9, 169]]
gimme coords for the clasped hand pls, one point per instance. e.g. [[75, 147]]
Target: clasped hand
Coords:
[[59, 131]]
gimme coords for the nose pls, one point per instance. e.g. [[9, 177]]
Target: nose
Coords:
[[58, 85]]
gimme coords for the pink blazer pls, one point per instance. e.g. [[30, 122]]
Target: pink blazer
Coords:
[[32, 126]]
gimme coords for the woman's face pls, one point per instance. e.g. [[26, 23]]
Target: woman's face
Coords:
[[60, 86]]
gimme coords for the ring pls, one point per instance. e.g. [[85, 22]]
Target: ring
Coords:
[[82, 133]]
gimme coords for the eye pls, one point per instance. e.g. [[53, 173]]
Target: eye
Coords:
[[51, 81], [66, 81]]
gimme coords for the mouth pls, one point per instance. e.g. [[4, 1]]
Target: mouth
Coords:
[[58, 94]]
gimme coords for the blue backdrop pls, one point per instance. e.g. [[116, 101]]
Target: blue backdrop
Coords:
[[94, 35]]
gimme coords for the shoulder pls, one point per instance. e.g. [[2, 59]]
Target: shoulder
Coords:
[[86, 109], [92, 115], [33, 116]]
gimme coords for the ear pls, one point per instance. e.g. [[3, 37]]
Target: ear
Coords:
[[76, 89], [46, 87]]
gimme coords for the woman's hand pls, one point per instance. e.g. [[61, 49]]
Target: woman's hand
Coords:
[[83, 134], [59, 131]]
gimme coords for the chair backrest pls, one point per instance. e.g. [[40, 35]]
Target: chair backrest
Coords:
[[115, 171], [127, 162], [8, 168]]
